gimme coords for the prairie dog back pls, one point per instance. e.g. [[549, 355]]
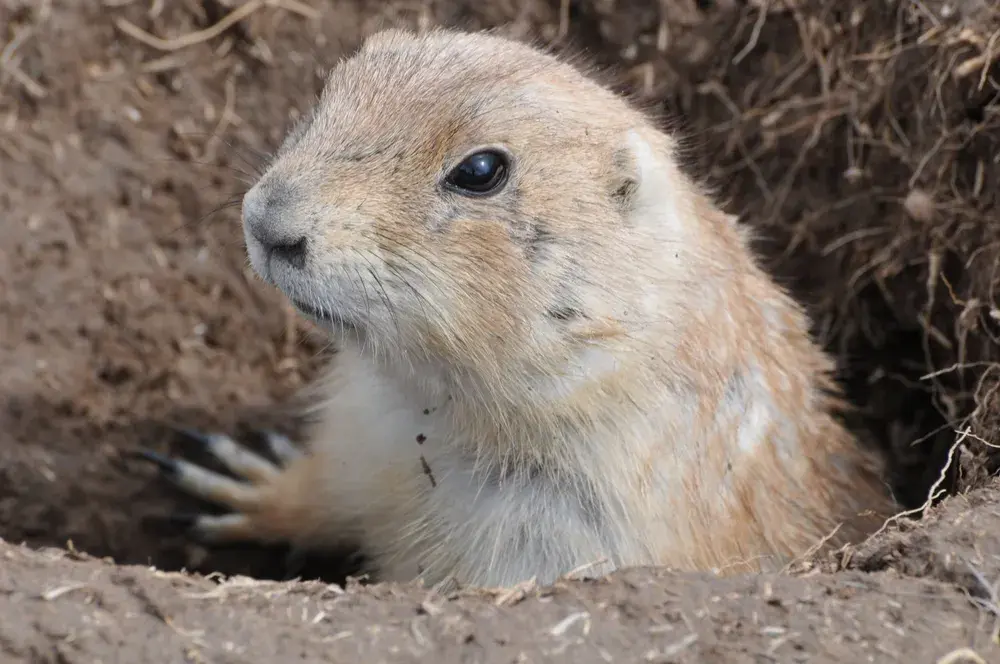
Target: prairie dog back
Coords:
[[554, 349]]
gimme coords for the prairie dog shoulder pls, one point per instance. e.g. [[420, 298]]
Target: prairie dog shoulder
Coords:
[[554, 348]]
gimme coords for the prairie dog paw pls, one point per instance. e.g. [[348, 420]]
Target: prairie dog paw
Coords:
[[255, 496]]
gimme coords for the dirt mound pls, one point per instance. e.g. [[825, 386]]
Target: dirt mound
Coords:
[[65, 607], [860, 142]]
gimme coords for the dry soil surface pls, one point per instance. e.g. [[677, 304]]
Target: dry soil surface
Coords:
[[921, 596]]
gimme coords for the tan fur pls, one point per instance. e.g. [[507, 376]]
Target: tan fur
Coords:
[[684, 418]]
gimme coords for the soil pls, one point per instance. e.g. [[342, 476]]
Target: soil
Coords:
[[859, 142]]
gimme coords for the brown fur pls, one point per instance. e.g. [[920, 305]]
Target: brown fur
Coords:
[[680, 414]]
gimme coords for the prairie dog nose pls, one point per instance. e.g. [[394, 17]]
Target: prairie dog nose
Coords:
[[267, 218]]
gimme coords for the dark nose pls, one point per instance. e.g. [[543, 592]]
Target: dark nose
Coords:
[[266, 215]]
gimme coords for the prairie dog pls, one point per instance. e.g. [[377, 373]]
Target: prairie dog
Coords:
[[554, 350]]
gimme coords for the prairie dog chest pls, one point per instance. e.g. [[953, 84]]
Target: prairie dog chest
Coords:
[[381, 425], [406, 435], [434, 501]]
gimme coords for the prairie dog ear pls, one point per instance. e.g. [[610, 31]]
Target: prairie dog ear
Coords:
[[638, 169], [624, 178]]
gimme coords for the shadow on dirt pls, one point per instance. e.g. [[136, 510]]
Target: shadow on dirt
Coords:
[[119, 500]]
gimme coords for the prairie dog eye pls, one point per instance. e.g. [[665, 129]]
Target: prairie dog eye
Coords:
[[480, 174]]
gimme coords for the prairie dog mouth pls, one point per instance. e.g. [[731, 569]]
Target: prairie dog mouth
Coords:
[[322, 316]]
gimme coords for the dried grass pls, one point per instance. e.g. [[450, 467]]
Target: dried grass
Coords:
[[861, 142]]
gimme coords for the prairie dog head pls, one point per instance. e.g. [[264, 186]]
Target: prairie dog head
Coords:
[[472, 201]]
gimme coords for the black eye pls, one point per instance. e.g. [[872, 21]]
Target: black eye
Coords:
[[479, 174]]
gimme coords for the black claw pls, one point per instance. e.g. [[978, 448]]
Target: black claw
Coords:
[[195, 436], [180, 520], [167, 466], [262, 433], [267, 437]]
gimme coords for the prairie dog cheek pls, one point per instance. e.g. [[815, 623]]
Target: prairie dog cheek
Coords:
[[488, 267]]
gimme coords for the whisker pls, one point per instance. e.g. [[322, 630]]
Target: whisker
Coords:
[[264, 159], [232, 202], [245, 177], [421, 298], [368, 306], [388, 304]]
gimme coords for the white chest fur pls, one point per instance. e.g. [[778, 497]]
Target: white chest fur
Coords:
[[426, 506]]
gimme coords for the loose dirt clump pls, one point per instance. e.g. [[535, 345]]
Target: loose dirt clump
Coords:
[[859, 141]]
